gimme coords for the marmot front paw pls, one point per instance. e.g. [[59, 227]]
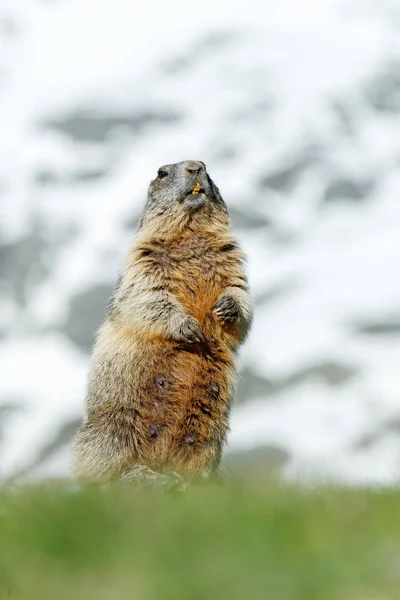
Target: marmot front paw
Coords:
[[190, 331], [227, 308]]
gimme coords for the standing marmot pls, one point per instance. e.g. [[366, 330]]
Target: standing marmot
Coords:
[[163, 366]]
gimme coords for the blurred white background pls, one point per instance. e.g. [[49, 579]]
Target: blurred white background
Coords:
[[295, 108]]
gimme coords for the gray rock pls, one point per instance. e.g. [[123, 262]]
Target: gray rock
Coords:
[[344, 189], [286, 177], [23, 264], [64, 436], [384, 327], [86, 313], [87, 126], [275, 292], [261, 461], [367, 440], [133, 223], [247, 219], [252, 385], [371, 438], [7, 409], [47, 177], [332, 373], [383, 92]]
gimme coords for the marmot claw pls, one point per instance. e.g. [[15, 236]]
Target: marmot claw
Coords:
[[190, 331], [227, 308]]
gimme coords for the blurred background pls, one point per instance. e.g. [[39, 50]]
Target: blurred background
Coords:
[[295, 108]]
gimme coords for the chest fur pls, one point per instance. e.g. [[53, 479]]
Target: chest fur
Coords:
[[196, 276]]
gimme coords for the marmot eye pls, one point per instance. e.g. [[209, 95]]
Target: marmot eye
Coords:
[[162, 173]]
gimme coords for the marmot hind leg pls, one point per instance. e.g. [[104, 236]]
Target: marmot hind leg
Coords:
[[105, 446]]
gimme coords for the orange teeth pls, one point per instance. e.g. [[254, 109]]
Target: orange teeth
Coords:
[[196, 189]]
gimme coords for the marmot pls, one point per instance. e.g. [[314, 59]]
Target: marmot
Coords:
[[163, 366]]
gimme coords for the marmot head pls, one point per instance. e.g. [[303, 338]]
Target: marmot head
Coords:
[[182, 190]]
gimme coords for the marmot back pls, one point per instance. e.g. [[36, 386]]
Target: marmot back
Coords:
[[163, 366]]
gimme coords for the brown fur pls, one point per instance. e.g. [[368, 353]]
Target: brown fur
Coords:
[[158, 395]]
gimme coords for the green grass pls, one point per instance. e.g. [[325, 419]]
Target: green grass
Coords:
[[242, 541]]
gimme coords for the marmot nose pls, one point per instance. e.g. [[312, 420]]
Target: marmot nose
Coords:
[[194, 167]]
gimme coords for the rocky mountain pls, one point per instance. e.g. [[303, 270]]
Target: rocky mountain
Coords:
[[295, 108]]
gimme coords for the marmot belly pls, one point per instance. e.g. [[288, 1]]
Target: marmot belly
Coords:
[[178, 396]]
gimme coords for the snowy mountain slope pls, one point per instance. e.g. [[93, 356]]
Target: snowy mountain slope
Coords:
[[295, 109]]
